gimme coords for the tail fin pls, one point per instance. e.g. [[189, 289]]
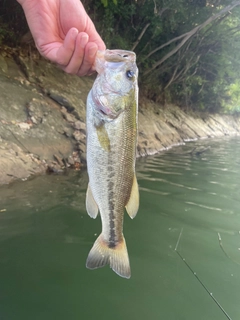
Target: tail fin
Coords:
[[117, 257]]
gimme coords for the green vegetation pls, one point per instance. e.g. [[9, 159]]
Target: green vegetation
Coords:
[[188, 51], [13, 24]]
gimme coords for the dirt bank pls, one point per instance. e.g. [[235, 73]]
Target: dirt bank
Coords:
[[42, 119]]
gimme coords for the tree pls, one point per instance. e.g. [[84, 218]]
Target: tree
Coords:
[[188, 51]]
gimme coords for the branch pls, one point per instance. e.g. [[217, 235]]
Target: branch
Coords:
[[169, 54], [140, 37], [173, 78], [188, 35], [180, 75], [165, 44], [176, 75]]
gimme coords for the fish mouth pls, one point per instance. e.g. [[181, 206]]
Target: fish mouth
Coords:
[[115, 56], [119, 56]]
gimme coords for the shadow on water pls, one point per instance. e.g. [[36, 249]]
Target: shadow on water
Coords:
[[46, 234]]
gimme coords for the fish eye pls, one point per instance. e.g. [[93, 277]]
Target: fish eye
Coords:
[[130, 74]]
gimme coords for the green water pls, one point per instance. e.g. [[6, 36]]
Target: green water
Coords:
[[45, 237]]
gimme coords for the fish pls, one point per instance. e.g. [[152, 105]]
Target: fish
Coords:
[[112, 124]]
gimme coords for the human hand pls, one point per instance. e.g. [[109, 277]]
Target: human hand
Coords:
[[64, 33]]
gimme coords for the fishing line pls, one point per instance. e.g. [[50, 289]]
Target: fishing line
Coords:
[[224, 251], [199, 280]]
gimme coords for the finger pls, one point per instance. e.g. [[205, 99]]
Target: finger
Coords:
[[73, 13], [65, 51], [87, 66], [95, 37], [78, 54]]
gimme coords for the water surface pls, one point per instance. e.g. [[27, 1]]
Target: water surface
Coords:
[[46, 234]]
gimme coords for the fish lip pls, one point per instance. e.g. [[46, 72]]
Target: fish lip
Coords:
[[116, 55], [112, 56]]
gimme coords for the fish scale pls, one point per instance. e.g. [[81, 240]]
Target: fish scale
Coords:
[[111, 153]]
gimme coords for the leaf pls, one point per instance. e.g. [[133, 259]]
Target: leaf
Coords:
[[105, 3]]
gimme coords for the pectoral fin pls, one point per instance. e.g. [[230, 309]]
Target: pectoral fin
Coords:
[[91, 205], [133, 202]]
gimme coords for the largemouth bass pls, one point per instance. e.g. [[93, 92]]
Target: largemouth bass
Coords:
[[112, 107]]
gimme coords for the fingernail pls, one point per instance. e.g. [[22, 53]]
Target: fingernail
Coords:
[[84, 40], [74, 32], [92, 51]]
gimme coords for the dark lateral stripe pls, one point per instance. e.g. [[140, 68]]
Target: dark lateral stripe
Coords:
[[112, 233]]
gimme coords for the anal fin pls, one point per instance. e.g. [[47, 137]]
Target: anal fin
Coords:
[[133, 202], [91, 205]]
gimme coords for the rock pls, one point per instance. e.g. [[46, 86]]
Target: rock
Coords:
[[16, 164], [79, 125], [59, 160], [68, 132], [63, 101], [25, 66], [38, 110], [78, 135], [42, 120], [3, 65], [81, 146], [24, 125], [70, 160], [68, 116], [83, 156]]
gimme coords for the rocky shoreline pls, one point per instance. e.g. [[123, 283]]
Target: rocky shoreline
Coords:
[[42, 119]]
